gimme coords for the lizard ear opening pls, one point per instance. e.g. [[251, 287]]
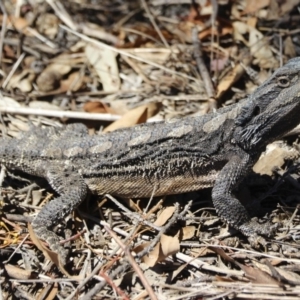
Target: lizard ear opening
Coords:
[[249, 111]]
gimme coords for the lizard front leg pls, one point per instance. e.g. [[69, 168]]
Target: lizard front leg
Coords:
[[227, 205], [72, 190]]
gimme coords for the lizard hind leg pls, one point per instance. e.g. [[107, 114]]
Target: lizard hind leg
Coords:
[[72, 190]]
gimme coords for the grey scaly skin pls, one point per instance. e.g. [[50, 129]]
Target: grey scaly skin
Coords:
[[216, 150]]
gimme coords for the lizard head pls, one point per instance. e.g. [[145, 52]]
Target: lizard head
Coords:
[[272, 110]]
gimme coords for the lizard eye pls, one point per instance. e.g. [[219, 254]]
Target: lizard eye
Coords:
[[283, 81]]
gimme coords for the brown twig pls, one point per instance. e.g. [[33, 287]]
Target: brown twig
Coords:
[[112, 284], [130, 213], [127, 53], [201, 65], [58, 113], [153, 22], [126, 264], [202, 68], [132, 261], [3, 29], [97, 269]]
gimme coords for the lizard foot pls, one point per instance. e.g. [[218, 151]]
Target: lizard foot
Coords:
[[256, 232], [252, 229]]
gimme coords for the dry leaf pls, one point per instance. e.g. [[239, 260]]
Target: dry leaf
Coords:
[[153, 109], [105, 64], [61, 68], [187, 232], [120, 107], [96, 107], [8, 102], [164, 216], [74, 83], [261, 50], [8, 51], [48, 25], [167, 246], [239, 30], [286, 6], [259, 46], [170, 245], [278, 9], [254, 5], [289, 47], [17, 273], [255, 275], [291, 277], [135, 116], [20, 24], [231, 77], [274, 157], [48, 81], [25, 85]]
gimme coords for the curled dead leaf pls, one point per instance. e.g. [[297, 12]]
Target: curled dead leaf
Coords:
[[104, 62], [96, 107], [48, 81], [274, 157], [233, 76], [135, 116], [18, 273]]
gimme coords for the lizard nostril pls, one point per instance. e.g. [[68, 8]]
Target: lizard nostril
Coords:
[[256, 111]]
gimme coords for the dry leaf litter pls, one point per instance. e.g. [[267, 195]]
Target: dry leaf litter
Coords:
[[113, 64]]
